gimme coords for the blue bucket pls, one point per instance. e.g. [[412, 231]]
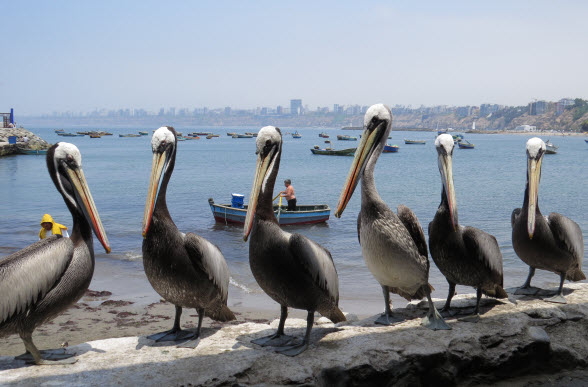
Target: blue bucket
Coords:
[[12, 139], [237, 200]]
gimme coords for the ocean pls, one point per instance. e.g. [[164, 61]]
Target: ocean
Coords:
[[489, 181]]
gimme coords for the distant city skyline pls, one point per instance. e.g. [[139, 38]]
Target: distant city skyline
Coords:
[[81, 56]]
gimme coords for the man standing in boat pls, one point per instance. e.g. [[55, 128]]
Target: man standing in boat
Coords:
[[289, 194]]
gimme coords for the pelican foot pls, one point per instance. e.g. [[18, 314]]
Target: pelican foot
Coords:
[[558, 299], [446, 313], [47, 354], [172, 335], [293, 350], [434, 321], [388, 319], [189, 344], [275, 340], [528, 291], [474, 318]]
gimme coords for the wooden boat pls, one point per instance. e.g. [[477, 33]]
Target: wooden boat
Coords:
[[586, 140], [95, 135], [192, 137], [143, 133], [415, 142], [180, 138], [236, 135], [208, 137], [231, 134], [59, 131], [550, 149], [254, 134], [83, 133], [194, 134], [304, 214], [333, 152], [129, 135], [345, 137], [465, 144], [70, 135], [32, 151], [296, 135], [323, 135], [390, 148]]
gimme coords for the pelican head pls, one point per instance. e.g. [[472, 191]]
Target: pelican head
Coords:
[[377, 123], [445, 146], [535, 152], [268, 149], [64, 162], [163, 145]]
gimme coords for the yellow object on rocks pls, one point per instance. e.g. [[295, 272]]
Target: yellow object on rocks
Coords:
[[56, 229]]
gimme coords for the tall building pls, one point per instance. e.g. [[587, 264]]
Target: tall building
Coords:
[[296, 107]]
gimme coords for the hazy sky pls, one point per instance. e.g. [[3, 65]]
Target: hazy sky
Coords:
[[82, 55]]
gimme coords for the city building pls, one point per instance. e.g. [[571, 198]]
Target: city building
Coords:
[[296, 107]]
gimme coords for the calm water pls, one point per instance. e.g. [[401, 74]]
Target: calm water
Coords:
[[489, 181]]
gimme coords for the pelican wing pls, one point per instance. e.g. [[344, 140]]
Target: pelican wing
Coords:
[[208, 258], [412, 224], [318, 263], [484, 247], [513, 217], [29, 274], [567, 234]]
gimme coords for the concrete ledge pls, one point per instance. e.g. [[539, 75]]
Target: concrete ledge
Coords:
[[514, 337]]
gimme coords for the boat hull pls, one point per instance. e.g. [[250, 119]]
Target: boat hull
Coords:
[[390, 149], [341, 152], [306, 214]]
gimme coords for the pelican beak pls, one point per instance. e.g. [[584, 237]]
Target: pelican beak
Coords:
[[368, 142], [446, 170], [159, 161], [261, 170], [534, 175], [89, 210]]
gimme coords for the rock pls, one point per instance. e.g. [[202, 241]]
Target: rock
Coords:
[[506, 343], [34, 142]]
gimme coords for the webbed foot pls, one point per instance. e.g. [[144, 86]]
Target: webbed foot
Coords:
[[172, 335], [49, 357], [293, 350], [275, 340], [434, 321], [190, 344], [558, 299], [388, 319]]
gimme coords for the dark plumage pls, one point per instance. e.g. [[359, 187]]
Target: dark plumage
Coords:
[[554, 243], [42, 280], [292, 269], [464, 255], [185, 269]]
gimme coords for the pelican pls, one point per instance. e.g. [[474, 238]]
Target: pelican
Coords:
[[292, 269], [464, 255], [39, 282], [185, 269], [553, 242], [393, 246]]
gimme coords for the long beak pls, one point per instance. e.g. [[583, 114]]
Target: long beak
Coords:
[[261, 171], [446, 169], [88, 208], [534, 174], [364, 149], [156, 171]]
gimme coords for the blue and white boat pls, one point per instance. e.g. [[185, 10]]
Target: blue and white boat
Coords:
[[390, 148]]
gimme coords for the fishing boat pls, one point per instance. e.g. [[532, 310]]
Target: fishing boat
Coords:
[[95, 135], [70, 135], [465, 144], [192, 137], [390, 148], [254, 134], [550, 149], [323, 135], [332, 152], [180, 138], [304, 214], [129, 135], [586, 140], [296, 135], [32, 151], [231, 134], [200, 133], [414, 142], [83, 133], [236, 135], [345, 137], [59, 131], [143, 133]]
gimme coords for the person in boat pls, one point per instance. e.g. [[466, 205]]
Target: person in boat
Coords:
[[48, 225], [289, 194]]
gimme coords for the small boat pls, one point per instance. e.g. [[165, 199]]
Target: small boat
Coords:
[[254, 134], [32, 151], [465, 144], [208, 137], [296, 135], [231, 134], [83, 133], [129, 135], [586, 140], [95, 135], [323, 135], [192, 137], [180, 138], [332, 152], [236, 135], [390, 148], [143, 133], [59, 130], [345, 137], [415, 142], [550, 149], [201, 133], [70, 135], [304, 214], [352, 128]]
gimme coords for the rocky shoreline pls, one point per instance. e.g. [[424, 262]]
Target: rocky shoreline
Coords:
[[34, 142], [521, 339]]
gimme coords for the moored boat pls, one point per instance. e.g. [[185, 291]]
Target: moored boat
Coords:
[[465, 144], [237, 135], [32, 151], [323, 135], [129, 135], [333, 152], [414, 142], [95, 135], [143, 133], [304, 214], [296, 135], [345, 137], [550, 149], [59, 130], [390, 148], [70, 135]]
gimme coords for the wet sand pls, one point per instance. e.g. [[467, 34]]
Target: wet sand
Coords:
[[100, 316]]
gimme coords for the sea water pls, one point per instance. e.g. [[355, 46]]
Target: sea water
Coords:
[[489, 182]]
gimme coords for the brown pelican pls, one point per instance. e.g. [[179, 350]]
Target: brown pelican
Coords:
[[293, 270], [553, 242], [465, 255], [185, 269], [393, 246], [42, 280]]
